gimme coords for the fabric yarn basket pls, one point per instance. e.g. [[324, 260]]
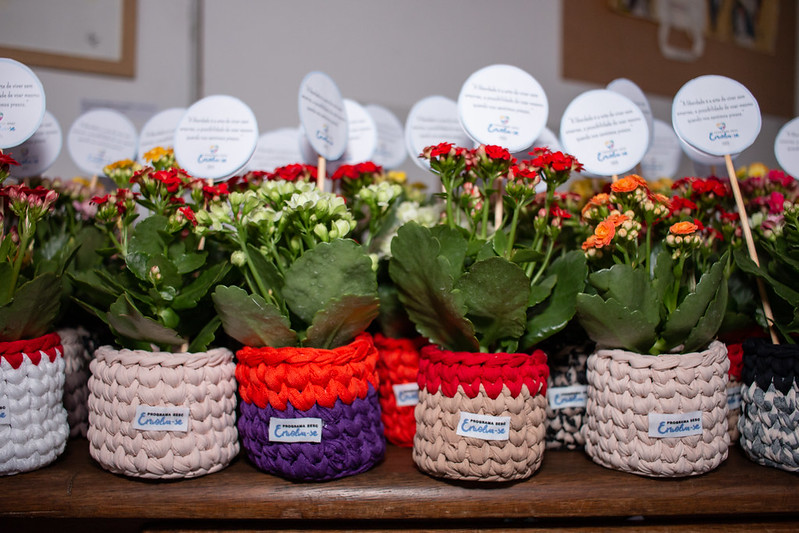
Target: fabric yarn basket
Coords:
[[564, 425], [493, 384], [397, 364], [625, 388], [33, 424], [336, 388], [735, 353], [769, 422], [122, 380], [77, 355]]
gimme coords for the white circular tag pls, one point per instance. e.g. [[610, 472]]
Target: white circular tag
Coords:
[[100, 137], [662, 160], [160, 130], [40, 151], [390, 151], [431, 121], [362, 134], [627, 88], [216, 137], [276, 148], [22, 103], [698, 156], [503, 105], [786, 147], [605, 131], [309, 156], [322, 115], [716, 114]]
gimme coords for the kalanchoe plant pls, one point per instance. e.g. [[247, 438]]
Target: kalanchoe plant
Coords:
[[476, 282], [303, 282], [151, 287], [29, 290], [647, 294]]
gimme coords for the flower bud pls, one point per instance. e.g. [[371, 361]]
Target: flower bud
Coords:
[[238, 258], [321, 232]]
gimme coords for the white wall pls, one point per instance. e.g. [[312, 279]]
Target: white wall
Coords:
[[378, 51]]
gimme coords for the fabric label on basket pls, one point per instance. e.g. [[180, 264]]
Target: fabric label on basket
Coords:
[[484, 427], [161, 418], [295, 429], [734, 398], [406, 394], [5, 415], [675, 425], [566, 397]]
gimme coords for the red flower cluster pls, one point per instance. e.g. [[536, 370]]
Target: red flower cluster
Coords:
[[497, 152], [6, 160], [356, 171], [548, 160], [189, 214], [293, 172]]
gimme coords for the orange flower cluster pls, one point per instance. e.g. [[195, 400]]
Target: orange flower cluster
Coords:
[[605, 231]]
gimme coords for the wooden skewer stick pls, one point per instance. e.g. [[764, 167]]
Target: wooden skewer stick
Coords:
[[320, 173], [499, 204], [750, 246], [614, 178], [93, 182]]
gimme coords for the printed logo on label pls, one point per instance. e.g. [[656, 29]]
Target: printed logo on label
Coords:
[[161, 418], [611, 151], [503, 126], [720, 132], [484, 427], [5, 416], [675, 425], [734, 398], [406, 394], [295, 429], [567, 397]]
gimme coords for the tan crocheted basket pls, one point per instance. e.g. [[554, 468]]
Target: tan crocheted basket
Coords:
[[734, 400], [498, 385], [122, 380], [76, 389], [624, 388]]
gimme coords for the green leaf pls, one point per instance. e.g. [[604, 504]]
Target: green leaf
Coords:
[[325, 272], [495, 292], [147, 237], [527, 255], [6, 290], [694, 306], [554, 313], [267, 272], [188, 262], [89, 240], [252, 321], [33, 309], [341, 320], [205, 336], [782, 290], [500, 241], [541, 290], [708, 325], [424, 283], [126, 321], [199, 287], [631, 287], [453, 247], [609, 323], [484, 252]]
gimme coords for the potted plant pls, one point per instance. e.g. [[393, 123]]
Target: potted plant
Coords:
[[484, 287], [305, 296], [162, 403], [33, 421], [657, 402], [770, 413]]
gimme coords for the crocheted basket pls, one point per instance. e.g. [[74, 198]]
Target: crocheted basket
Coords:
[[397, 367], [33, 421], [565, 398], [769, 422], [480, 416], [332, 392], [193, 394], [735, 353], [76, 384], [678, 399]]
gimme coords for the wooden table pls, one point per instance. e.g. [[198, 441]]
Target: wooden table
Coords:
[[569, 492]]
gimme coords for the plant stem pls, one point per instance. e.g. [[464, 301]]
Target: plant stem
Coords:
[[545, 263]]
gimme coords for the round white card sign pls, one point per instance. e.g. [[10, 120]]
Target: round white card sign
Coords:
[[216, 137], [160, 130], [100, 137], [716, 114], [786, 147], [503, 105], [698, 156], [605, 131], [276, 148], [322, 115], [22, 103], [390, 151], [40, 151], [662, 160], [431, 121], [627, 88], [362, 134]]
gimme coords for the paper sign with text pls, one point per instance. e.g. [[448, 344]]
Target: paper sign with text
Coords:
[[100, 137], [40, 151], [159, 130], [390, 151], [431, 121], [786, 147], [323, 115], [22, 103]]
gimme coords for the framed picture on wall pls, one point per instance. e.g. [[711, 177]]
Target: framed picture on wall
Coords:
[[81, 35]]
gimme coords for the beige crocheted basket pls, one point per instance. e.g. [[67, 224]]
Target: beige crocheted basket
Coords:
[[733, 411], [122, 380], [76, 390], [624, 388]]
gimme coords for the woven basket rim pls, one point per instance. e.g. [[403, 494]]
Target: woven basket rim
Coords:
[[714, 353], [436, 354], [128, 357]]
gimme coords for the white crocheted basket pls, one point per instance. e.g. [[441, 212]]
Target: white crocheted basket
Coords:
[[33, 421], [627, 391], [76, 383], [202, 383]]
